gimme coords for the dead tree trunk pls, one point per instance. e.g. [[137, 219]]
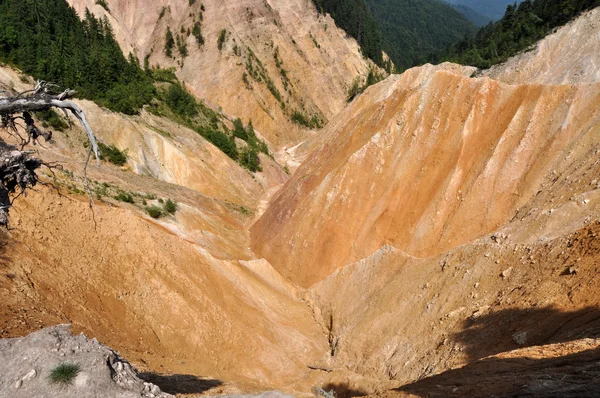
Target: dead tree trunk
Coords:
[[18, 167]]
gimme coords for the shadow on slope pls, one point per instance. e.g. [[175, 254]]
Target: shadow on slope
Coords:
[[515, 328], [573, 375], [344, 390], [179, 383]]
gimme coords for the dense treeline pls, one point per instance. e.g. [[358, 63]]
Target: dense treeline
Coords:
[[48, 40], [412, 29], [521, 26], [356, 19]]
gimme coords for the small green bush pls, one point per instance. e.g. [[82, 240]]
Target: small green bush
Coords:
[[124, 197], [102, 3], [112, 154], [52, 119], [249, 159], [164, 75], [197, 32], [180, 101], [221, 39], [171, 206], [154, 211], [221, 141], [239, 130], [64, 373], [169, 43]]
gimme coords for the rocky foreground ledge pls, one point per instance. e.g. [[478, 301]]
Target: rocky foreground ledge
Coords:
[[28, 369], [27, 363]]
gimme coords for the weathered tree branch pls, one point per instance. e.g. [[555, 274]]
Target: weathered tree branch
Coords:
[[18, 167]]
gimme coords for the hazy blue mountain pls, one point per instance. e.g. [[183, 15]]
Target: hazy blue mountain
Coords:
[[472, 15], [493, 9]]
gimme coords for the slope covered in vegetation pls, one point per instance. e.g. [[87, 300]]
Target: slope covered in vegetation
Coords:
[[521, 26], [412, 29]]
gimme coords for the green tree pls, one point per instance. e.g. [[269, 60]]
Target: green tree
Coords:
[[169, 43]]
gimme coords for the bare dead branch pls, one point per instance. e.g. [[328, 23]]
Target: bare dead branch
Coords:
[[18, 167]]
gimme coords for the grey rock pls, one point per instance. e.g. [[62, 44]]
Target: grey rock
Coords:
[[26, 363]]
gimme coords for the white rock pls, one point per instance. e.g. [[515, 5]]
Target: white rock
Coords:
[[30, 375]]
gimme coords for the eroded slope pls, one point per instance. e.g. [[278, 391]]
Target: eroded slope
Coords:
[[423, 162], [315, 65]]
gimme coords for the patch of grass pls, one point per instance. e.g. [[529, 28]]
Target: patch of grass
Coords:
[[64, 373]]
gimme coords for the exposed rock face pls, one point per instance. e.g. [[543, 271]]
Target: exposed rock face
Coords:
[[26, 364], [425, 161], [320, 62], [569, 56]]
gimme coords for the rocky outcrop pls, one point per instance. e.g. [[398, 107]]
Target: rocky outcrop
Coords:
[[26, 364]]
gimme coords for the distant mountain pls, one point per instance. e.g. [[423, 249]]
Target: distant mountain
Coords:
[[413, 28], [493, 9], [472, 15]]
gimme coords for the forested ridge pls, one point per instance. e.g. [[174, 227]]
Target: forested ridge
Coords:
[[412, 29], [48, 40], [521, 27]]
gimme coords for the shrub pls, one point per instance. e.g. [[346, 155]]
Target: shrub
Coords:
[[164, 75], [64, 373], [102, 3], [171, 206], [181, 102], [154, 211], [169, 43], [239, 130], [249, 159], [221, 141], [52, 119], [124, 197], [221, 39], [112, 154], [129, 98], [197, 32]]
